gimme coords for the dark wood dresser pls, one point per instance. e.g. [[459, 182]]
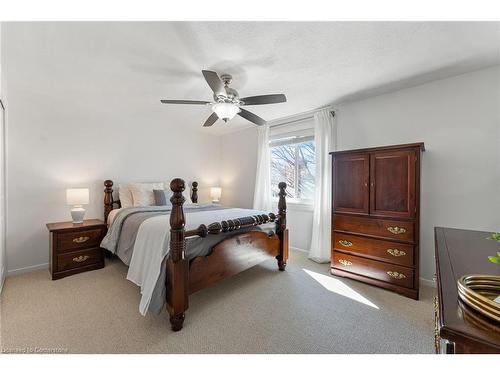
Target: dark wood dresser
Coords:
[[75, 248], [459, 329], [375, 216]]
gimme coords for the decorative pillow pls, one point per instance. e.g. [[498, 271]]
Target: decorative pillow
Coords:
[[125, 196], [142, 193], [162, 197]]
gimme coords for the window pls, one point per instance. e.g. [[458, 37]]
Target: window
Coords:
[[293, 161]]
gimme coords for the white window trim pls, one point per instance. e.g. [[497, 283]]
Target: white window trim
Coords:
[[297, 204]]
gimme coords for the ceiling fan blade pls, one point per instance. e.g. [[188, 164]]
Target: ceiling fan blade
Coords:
[[214, 82], [252, 117], [264, 99], [166, 101], [211, 120]]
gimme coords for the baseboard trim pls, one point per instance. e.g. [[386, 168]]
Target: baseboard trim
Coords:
[[19, 271], [427, 282], [298, 249]]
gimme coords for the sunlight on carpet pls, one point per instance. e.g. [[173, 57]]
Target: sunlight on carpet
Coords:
[[337, 286]]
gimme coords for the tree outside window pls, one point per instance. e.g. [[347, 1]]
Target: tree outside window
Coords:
[[294, 162]]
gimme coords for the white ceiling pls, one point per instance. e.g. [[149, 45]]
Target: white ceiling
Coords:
[[129, 67]]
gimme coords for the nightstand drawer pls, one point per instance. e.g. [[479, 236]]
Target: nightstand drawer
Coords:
[[79, 259], [79, 240], [75, 248]]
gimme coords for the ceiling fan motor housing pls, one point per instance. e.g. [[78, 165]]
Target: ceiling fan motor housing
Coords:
[[231, 96], [226, 79]]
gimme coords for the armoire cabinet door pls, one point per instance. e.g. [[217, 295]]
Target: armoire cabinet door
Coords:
[[350, 179], [392, 183]]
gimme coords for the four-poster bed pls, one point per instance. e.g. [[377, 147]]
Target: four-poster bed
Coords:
[[233, 254]]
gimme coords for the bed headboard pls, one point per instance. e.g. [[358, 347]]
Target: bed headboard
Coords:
[[110, 203]]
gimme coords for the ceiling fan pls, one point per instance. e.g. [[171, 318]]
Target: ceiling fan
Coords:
[[227, 102]]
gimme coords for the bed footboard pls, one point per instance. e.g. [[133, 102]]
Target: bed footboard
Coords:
[[229, 257], [232, 256]]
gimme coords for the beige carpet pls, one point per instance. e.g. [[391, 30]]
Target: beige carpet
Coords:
[[262, 310]]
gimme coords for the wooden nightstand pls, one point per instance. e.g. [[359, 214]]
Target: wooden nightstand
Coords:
[[75, 248]]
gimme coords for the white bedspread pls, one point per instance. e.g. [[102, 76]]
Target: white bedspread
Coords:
[[112, 214], [151, 246]]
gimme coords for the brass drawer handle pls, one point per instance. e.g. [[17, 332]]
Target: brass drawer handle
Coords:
[[396, 230], [81, 239], [396, 252], [345, 262], [345, 243], [396, 275], [81, 258], [437, 337]]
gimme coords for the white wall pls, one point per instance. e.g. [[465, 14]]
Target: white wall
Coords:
[[74, 124], [238, 167], [3, 262], [299, 221], [459, 120]]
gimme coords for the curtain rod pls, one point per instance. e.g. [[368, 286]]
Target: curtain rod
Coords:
[[300, 117]]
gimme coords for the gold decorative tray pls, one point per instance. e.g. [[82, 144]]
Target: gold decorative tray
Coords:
[[479, 291]]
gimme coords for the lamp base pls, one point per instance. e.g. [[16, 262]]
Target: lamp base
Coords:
[[77, 214]]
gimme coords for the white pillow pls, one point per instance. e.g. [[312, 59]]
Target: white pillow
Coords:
[[142, 193], [125, 196]]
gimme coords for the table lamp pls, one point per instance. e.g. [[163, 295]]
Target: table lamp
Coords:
[[215, 193], [77, 198]]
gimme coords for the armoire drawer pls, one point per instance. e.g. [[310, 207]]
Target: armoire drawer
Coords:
[[390, 273], [392, 252], [390, 229]]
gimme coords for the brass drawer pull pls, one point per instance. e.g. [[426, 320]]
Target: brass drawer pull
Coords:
[[396, 252], [437, 337], [396, 275], [345, 243], [345, 262], [396, 230], [81, 239], [81, 258]]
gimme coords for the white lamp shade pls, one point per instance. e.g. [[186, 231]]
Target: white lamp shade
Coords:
[[215, 193], [77, 196], [225, 111]]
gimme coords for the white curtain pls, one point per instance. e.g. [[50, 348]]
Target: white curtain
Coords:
[[324, 137], [262, 192]]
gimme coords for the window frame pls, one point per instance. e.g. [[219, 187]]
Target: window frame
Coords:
[[304, 130]]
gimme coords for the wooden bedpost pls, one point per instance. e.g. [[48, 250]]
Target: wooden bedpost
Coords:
[[281, 229], [177, 264], [194, 192], [108, 199]]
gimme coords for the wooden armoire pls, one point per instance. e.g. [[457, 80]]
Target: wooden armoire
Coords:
[[375, 216]]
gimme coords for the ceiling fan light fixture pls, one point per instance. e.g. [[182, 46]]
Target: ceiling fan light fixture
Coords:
[[225, 111]]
